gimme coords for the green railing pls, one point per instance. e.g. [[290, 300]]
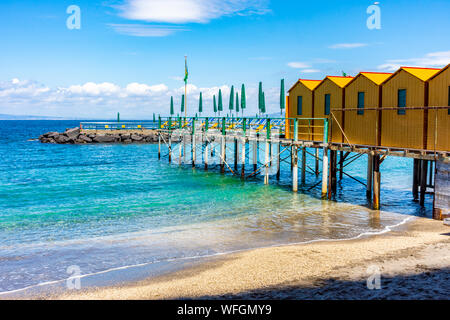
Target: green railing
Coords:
[[125, 125]]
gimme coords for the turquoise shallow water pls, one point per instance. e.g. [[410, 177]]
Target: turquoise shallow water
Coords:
[[103, 207]]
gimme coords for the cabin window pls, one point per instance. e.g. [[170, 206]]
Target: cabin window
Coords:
[[360, 103], [401, 104], [299, 105], [327, 104]]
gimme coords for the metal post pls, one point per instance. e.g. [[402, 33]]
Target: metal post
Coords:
[[279, 161], [243, 159], [223, 148], [255, 154], [159, 145], [236, 154], [170, 139], [325, 160], [205, 156]]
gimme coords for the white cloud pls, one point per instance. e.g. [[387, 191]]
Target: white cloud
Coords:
[[94, 89], [140, 89], [310, 70], [348, 45], [141, 30], [298, 65], [189, 11], [433, 59]]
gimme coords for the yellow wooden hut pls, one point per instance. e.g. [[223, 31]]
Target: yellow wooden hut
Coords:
[[439, 119], [301, 105], [404, 98], [328, 96], [363, 99]]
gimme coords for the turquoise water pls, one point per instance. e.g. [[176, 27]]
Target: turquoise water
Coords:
[[103, 207]]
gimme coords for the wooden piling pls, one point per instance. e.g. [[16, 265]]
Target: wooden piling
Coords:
[[324, 173], [423, 181], [206, 154], [170, 147], [279, 161], [255, 155], [222, 153], [294, 168], [236, 154], [369, 176], [341, 164], [159, 146], [303, 166], [376, 182], [415, 186], [243, 159], [266, 162], [316, 154]]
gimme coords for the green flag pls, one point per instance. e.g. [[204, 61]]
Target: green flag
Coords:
[[231, 98], [182, 103], [200, 104], [186, 73], [171, 106]]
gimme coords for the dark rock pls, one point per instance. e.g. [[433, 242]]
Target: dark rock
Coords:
[[104, 139], [84, 138], [136, 137], [72, 133], [127, 141], [61, 139]]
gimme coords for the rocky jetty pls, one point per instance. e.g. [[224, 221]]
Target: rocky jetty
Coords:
[[77, 136]]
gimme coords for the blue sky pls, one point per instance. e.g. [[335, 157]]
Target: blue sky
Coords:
[[128, 55]]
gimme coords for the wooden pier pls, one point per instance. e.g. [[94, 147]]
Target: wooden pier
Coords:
[[204, 142]]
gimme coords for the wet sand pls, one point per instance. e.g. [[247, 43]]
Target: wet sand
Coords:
[[413, 261]]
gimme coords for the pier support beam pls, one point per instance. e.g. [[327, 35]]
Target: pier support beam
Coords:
[[170, 147], [255, 155], [303, 166], [376, 182], [316, 153], [416, 175], [279, 161], [222, 153], [369, 176], [266, 162], [294, 168], [423, 181], [324, 173], [206, 154], [341, 164], [159, 146], [236, 154], [243, 159]]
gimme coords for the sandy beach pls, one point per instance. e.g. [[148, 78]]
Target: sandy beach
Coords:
[[413, 261]]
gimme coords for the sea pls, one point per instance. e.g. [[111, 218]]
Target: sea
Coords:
[[81, 216]]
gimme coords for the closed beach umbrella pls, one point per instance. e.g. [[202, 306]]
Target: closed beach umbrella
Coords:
[[263, 104], [182, 103], [171, 106], [215, 105], [282, 98], [243, 102], [154, 119], [220, 101], [200, 104], [237, 104], [260, 97], [231, 98]]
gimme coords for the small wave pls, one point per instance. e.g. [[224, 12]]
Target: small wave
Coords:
[[364, 234]]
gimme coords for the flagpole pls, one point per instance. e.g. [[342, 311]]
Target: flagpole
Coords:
[[185, 89]]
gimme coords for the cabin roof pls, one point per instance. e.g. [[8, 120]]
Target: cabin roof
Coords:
[[441, 71], [310, 84], [423, 74], [339, 80]]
